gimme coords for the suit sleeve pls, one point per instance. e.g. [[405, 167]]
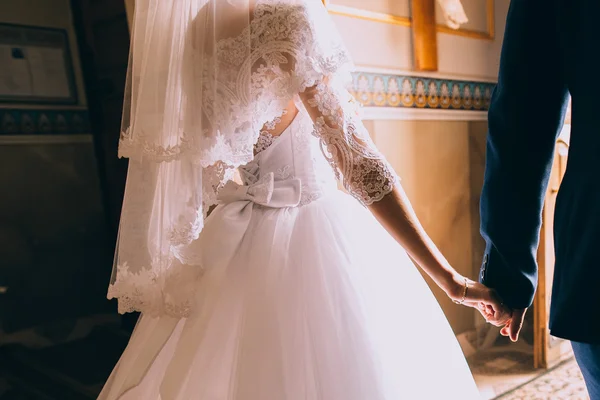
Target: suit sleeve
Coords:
[[526, 114]]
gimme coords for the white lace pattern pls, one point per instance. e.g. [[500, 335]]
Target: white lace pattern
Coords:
[[292, 49], [346, 143]]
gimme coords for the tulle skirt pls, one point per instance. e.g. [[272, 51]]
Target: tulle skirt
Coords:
[[312, 303]]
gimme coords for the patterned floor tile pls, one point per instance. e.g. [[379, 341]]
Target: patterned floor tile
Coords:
[[562, 383]]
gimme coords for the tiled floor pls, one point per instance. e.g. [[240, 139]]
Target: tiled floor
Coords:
[[564, 382], [506, 373], [501, 370]]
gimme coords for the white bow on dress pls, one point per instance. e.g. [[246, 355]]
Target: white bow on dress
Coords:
[[265, 191]]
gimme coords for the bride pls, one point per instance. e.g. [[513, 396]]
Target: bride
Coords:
[[288, 289]]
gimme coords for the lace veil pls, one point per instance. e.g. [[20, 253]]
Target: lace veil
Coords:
[[204, 77]]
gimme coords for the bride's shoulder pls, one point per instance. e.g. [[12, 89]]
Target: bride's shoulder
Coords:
[[295, 21], [291, 12], [274, 7]]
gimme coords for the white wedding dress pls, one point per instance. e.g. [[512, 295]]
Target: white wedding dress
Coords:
[[308, 298], [303, 295]]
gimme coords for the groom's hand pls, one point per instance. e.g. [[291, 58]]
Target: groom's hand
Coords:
[[497, 318], [513, 327], [488, 303]]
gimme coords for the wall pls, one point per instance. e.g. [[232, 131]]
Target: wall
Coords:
[[433, 161], [389, 46], [439, 154], [441, 166], [50, 14], [52, 221], [45, 118]]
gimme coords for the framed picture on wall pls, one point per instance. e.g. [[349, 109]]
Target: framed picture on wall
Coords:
[[36, 66], [480, 13]]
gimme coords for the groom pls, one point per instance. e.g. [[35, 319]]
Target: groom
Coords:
[[550, 48]]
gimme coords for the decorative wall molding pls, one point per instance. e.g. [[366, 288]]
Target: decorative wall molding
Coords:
[[28, 121], [384, 95], [419, 114], [45, 139], [376, 69], [395, 96]]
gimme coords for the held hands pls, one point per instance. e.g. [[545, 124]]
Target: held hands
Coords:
[[473, 294], [513, 326], [511, 320]]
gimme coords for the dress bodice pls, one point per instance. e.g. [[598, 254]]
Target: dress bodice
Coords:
[[294, 154]]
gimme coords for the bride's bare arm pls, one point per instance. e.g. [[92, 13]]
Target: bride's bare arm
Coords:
[[397, 216], [369, 178]]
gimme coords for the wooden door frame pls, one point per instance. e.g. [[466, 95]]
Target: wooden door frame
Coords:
[[542, 355], [540, 310]]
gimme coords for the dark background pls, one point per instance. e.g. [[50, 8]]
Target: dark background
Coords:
[[61, 187]]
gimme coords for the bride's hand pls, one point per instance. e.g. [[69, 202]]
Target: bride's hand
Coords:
[[479, 296]]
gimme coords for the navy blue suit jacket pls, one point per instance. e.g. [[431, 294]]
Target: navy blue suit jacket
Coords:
[[551, 48]]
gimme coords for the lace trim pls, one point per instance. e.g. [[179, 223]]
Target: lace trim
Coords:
[[309, 196], [347, 145], [169, 293], [266, 139]]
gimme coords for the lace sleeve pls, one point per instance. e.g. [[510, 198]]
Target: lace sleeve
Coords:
[[346, 143]]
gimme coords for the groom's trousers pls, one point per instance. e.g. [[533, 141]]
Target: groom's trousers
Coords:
[[588, 358]]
